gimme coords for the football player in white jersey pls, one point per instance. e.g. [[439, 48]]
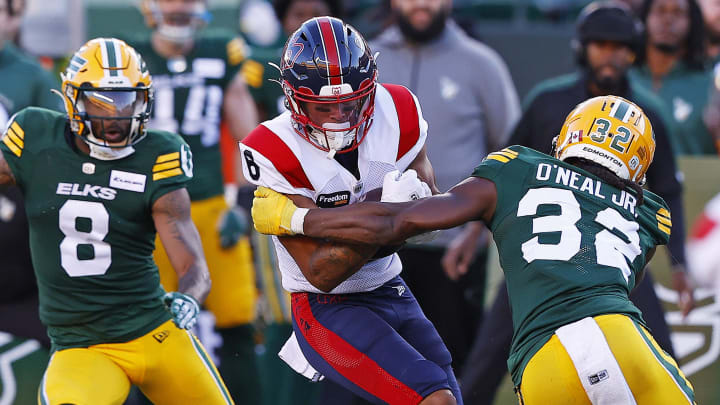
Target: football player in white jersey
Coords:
[[354, 318]]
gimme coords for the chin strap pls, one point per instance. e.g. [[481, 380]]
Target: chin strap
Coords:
[[105, 152]]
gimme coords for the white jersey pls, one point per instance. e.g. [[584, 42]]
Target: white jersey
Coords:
[[275, 156]]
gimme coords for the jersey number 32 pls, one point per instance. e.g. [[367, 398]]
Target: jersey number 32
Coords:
[[610, 249]]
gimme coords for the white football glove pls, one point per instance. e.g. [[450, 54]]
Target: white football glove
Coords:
[[183, 308], [405, 187]]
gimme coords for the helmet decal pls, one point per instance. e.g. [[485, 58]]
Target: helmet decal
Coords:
[[76, 63], [330, 50], [619, 136]]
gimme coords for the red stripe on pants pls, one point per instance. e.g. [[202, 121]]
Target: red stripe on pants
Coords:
[[348, 361]]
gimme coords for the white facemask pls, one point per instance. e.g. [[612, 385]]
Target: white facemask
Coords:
[[334, 140], [105, 152]]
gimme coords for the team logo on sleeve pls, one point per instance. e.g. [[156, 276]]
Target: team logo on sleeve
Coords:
[[333, 200]]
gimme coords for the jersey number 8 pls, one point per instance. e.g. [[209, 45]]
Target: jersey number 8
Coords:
[[84, 224]]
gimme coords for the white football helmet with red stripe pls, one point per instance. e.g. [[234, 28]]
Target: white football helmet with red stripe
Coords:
[[327, 66]]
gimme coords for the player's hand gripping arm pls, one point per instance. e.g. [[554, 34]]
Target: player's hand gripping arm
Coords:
[[171, 214], [325, 264], [378, 223]]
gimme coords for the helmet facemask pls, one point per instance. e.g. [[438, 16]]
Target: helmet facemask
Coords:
[[340, 122], [329, 77], [107, 93], [178, 27], [113, 119]]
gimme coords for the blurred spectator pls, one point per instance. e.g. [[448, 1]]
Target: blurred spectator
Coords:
[[673, 66], [703, 254], [52, 31], [711, 16], [711, 114], [470, 105], [13, 12], [198, 85], [606, 43]]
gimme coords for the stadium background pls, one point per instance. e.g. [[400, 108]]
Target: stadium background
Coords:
[[533, 37]]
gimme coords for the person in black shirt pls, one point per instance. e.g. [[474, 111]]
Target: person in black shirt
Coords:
[[608, 39]]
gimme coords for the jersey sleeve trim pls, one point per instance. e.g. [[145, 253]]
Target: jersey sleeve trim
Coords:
[[407, 117], [236, 51], [664, 223], [167, 165], [268, 144], [253, 72], [14, 139]]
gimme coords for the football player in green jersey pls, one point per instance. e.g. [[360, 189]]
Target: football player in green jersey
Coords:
[[98, 187], [198, 84], [573, 231]]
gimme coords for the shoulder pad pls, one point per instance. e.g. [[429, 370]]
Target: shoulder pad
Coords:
[[265, 154], [407, 117]]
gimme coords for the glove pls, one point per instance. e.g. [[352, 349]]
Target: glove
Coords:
[[183, 308], [405, 187], [232, 226], [275, 214]]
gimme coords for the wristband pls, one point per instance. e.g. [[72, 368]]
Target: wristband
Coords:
[[298, 221]]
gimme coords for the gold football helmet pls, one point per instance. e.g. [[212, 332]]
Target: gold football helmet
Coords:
[[177, 22], [107, 91], [610, 131]]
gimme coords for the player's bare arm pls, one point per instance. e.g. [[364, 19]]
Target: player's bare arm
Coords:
[[421, 164], [171, 214], [325, 263], [6, 175], [239, 108], [389, 224]]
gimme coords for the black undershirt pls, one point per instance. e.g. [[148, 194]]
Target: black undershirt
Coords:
[[349, 160]]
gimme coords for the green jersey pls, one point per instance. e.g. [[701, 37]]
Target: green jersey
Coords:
[[570, 245], [189, 94], [685, 93], [265, 90], [92, 234], [25, 83]]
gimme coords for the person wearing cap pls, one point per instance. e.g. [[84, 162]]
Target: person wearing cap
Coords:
[[606, 44]]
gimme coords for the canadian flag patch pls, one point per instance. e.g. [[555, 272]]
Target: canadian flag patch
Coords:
[[576, 136]]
